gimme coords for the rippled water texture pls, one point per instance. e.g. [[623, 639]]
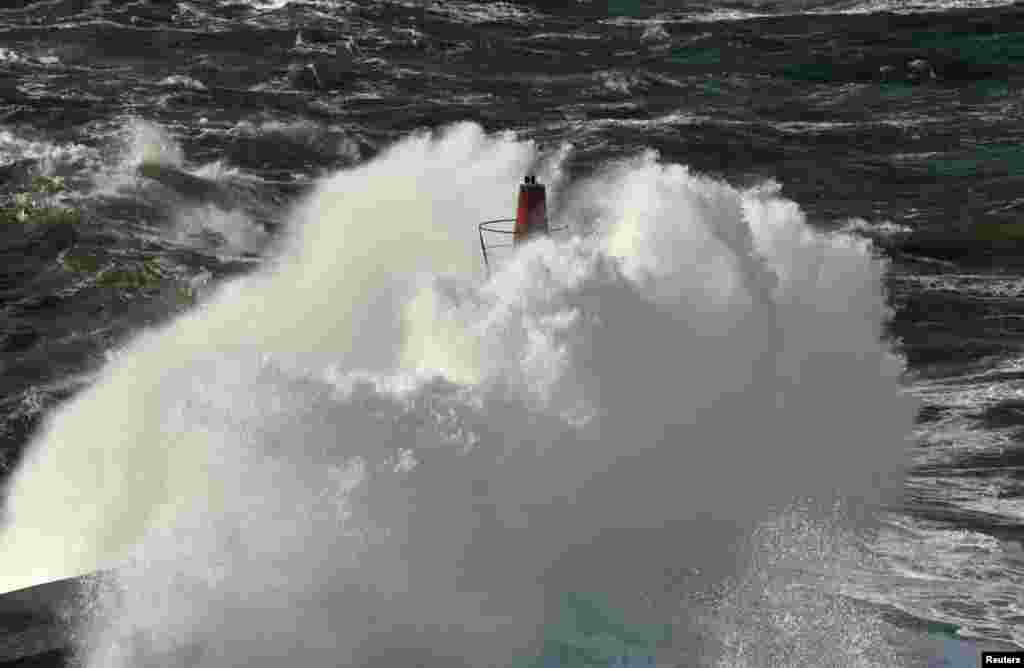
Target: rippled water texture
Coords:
[[757, 405]]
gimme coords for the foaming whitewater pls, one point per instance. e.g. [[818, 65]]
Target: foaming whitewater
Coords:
[[238, 232], [135, 142], [148, 143], [367, 454]]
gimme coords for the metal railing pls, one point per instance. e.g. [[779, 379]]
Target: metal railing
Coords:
[[492, 226]]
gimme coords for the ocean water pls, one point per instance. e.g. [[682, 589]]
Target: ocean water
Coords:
[[755, 405]]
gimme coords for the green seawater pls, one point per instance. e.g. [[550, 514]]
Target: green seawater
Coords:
[[978, 49], [589, 633], [696, 57], [1000, 160]]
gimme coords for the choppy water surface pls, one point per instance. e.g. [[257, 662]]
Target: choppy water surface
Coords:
[[762, 396]]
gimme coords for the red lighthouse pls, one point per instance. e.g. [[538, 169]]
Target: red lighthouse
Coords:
[[532, 214], [530, 222]]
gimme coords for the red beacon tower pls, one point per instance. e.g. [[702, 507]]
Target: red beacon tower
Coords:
[[532, 213], [531, 219]]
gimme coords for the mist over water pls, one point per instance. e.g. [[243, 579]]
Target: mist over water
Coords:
[[367, 454]]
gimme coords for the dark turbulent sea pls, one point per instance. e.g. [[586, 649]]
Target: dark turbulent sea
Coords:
[[895, 121]]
